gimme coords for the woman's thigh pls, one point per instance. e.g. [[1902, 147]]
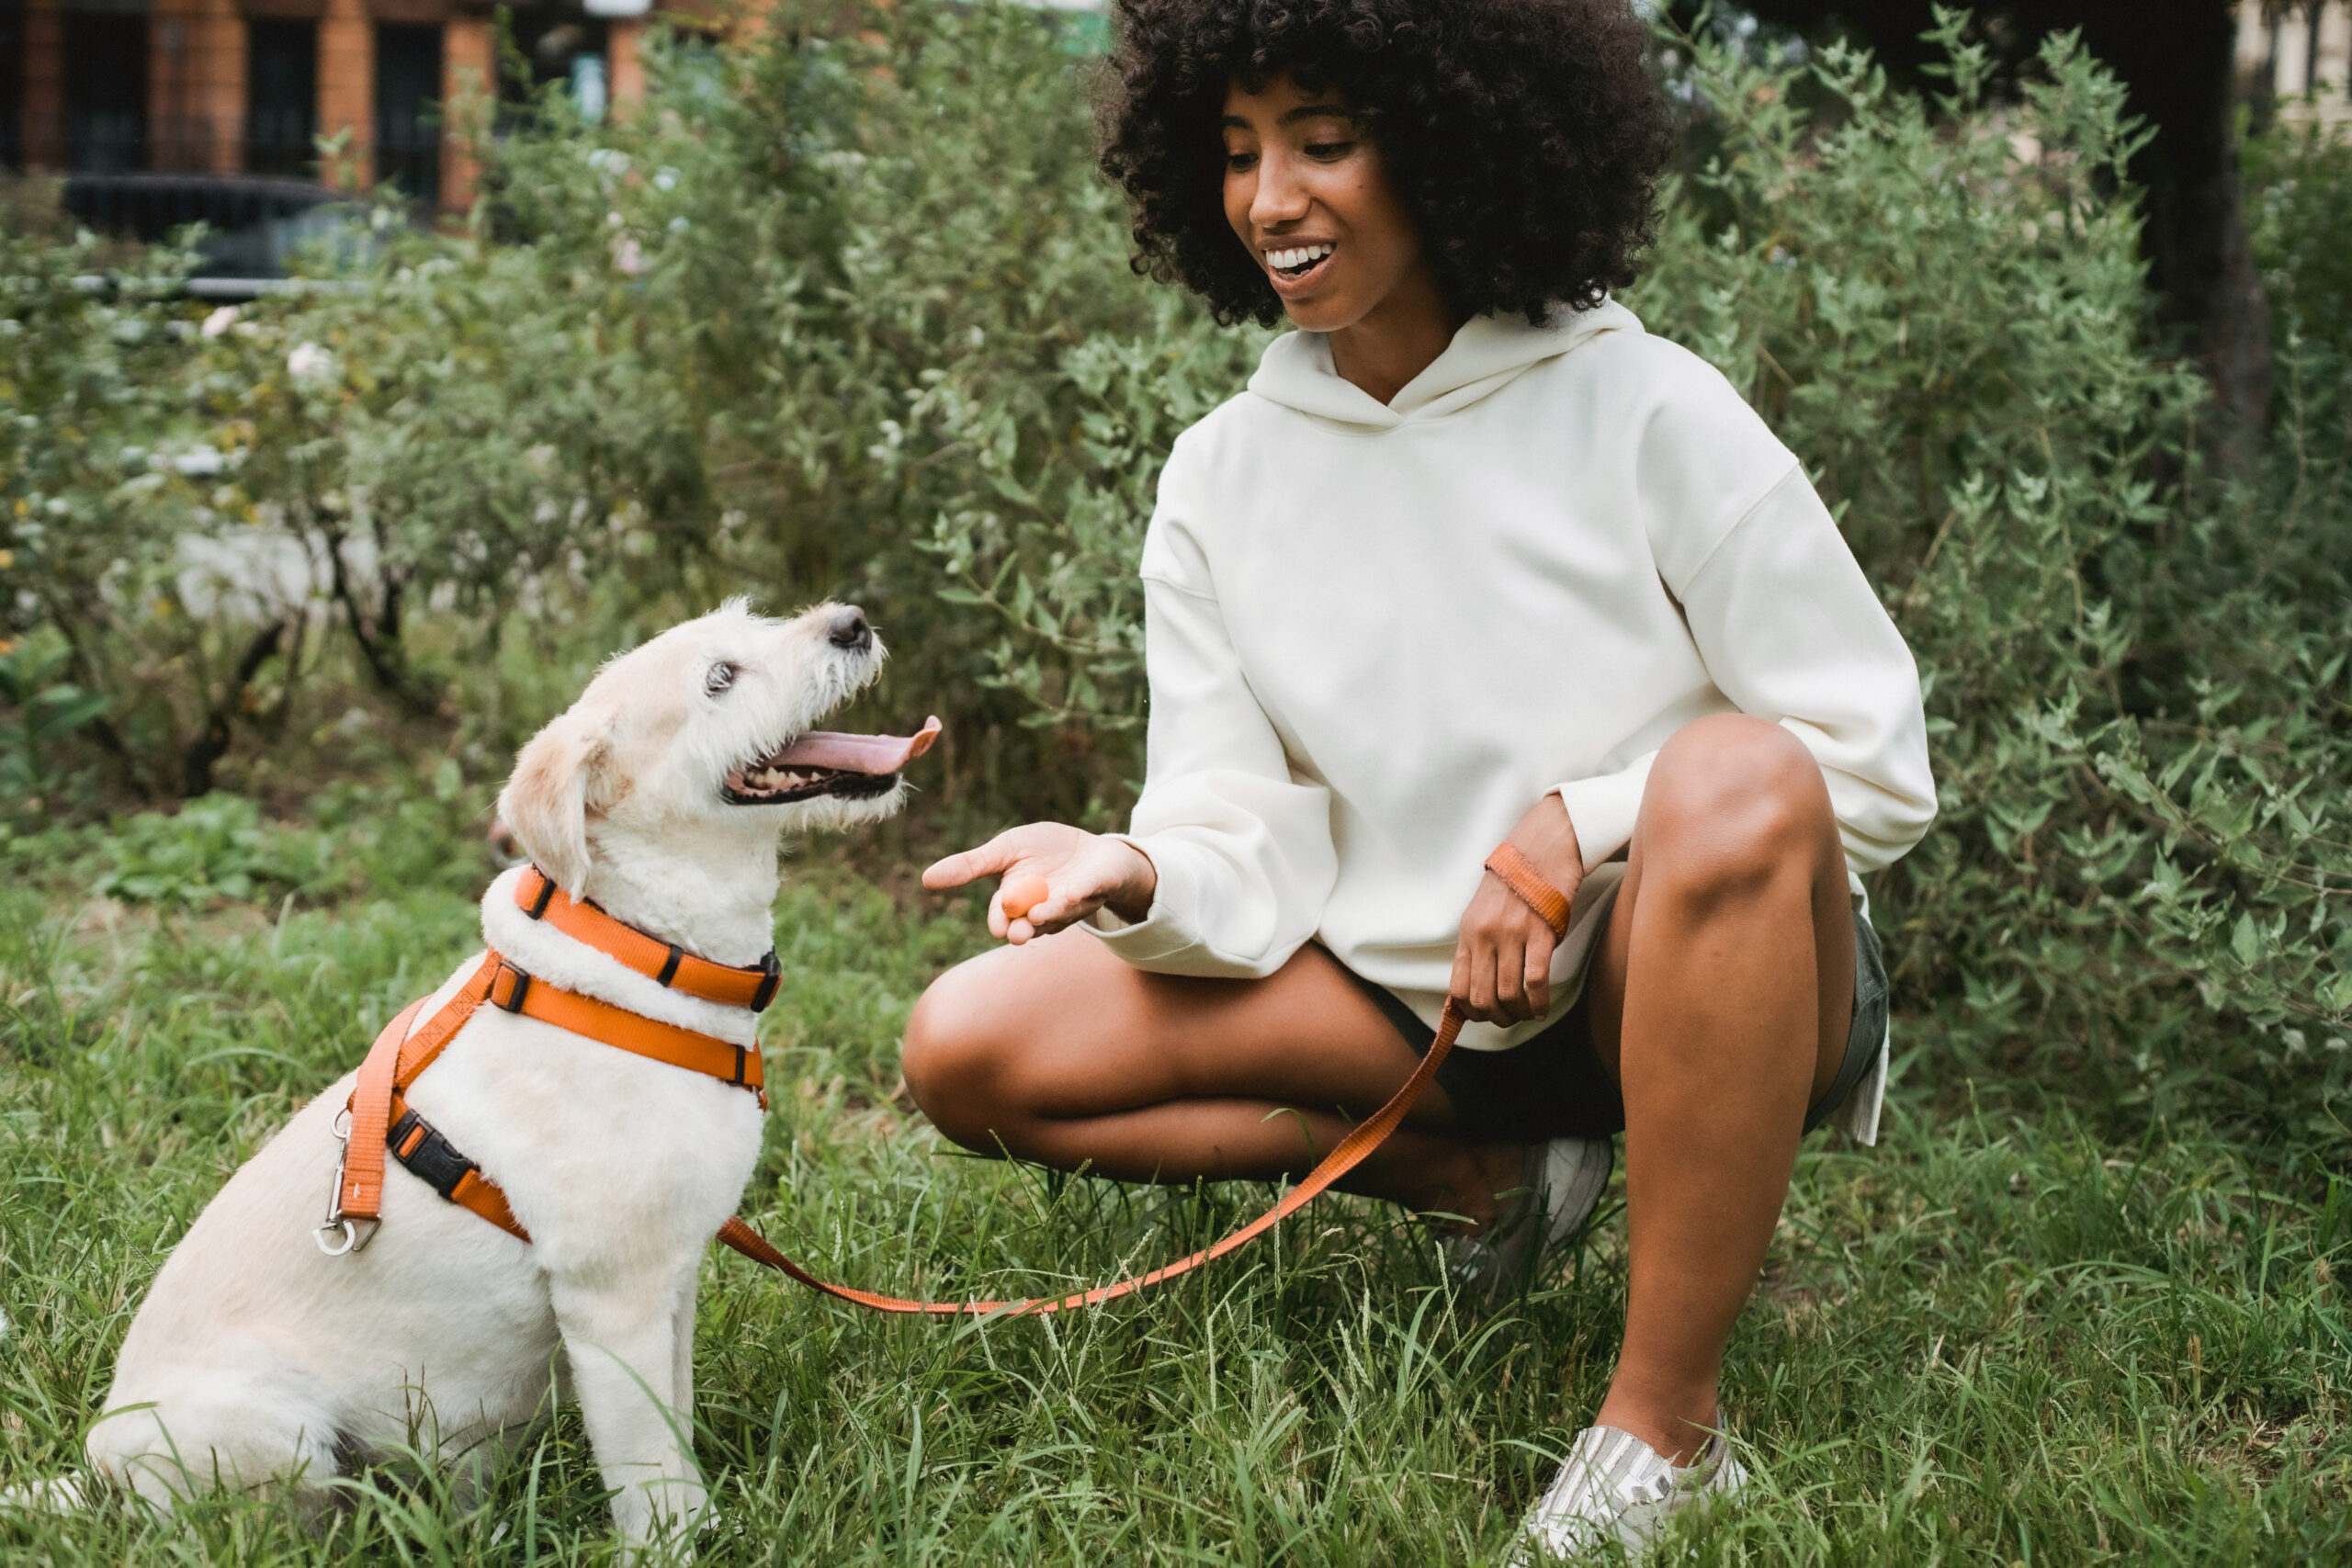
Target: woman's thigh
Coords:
[[1060, 1028]]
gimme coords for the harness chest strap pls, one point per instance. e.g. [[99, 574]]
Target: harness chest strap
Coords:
[[380, 1121]]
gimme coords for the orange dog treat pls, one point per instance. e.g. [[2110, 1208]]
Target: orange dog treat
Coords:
[[1020, 898]]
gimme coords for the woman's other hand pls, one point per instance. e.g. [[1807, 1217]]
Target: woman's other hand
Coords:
[[1502, 970], [1057, 875]]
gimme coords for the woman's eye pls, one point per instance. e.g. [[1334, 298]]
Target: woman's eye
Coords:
[[1327, 150], [721, 676], [1238, 161]]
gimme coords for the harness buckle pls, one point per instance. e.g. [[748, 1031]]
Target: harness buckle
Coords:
[[516, 985], [546, 894], [771, 976]]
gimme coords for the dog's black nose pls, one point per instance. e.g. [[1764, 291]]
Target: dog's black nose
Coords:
[[848, 630]]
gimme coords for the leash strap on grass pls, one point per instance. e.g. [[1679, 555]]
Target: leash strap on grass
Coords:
[[1349, 1153]]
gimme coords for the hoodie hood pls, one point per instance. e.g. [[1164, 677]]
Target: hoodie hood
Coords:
[[1487, 354]]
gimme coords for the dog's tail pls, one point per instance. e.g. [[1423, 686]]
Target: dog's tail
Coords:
[[64, 1496]]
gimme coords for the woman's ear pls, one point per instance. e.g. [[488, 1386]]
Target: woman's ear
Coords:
[[545, 802]]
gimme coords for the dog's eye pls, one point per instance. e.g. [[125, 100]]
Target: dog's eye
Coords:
[[722, 675]]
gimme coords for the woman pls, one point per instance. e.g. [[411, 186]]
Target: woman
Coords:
[[1473, 559]]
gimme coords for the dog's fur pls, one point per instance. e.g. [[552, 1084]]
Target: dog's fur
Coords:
[[257, 1361]]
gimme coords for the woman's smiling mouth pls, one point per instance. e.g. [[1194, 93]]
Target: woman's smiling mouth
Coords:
[[1296, 261]]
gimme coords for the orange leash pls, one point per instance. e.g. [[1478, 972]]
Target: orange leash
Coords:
[[1516, 872], [378, 1120], [1346, 1155]]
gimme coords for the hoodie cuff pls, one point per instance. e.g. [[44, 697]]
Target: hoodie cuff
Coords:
[[1602, 810], [1163, 932]]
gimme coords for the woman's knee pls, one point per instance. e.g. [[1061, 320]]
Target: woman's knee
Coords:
[[953, 1055], [1733, 805]]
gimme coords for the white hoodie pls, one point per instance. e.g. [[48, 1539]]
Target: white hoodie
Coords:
[[1376, 634]]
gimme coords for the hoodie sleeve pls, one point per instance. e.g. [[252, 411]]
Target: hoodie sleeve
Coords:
[[1243, 852], [1789, 627]]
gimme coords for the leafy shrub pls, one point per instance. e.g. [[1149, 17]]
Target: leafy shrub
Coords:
[[210, 849], [47, 708], [777, 334], [2299, 190]]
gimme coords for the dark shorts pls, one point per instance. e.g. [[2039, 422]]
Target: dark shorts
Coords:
[[1553, 1085]]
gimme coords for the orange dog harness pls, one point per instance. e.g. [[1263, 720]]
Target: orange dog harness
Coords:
[[378, 1120]]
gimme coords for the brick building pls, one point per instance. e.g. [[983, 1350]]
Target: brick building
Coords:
[[243, 88], [2294, 59]]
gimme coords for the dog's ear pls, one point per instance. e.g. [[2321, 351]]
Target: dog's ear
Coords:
[[546, 798]]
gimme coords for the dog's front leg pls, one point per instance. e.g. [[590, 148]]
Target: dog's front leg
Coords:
[[622, 1344], [683, 1380]]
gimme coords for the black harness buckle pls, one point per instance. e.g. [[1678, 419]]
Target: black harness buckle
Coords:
[[546, 894], [430, 1158], [771, 977], [516, 983]]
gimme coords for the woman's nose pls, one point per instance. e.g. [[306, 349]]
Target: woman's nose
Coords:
[[1280, 198]]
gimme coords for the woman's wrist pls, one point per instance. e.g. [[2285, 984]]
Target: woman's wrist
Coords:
[[1547, 837], [1131, 900]]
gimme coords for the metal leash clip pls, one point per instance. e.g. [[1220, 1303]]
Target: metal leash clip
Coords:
[[338, 1236]]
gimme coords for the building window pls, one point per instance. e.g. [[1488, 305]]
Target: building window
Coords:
[[12, 87], [281, 98], [558, 49], [106, 93], [407, 109]]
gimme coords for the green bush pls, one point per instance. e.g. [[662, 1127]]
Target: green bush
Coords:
[[776, 333], [48, 708], [215, 848], [2134, 677]]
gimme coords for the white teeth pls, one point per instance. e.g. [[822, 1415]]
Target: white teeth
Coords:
[[1296, 256]]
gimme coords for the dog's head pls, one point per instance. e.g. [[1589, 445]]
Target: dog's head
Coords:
[[706, 734]]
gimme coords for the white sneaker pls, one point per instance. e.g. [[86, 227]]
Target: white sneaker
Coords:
[[1561, 1184], [1616, 1487]]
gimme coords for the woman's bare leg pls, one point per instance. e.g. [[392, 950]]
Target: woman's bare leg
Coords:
[[1060, 1052], [1722, 999], [1719, 1000]]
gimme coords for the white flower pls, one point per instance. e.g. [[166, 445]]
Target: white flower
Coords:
[[220, 321], [309, 362], [628, 257]]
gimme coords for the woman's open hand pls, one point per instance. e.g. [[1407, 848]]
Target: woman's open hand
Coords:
[[1502, 970], [1053, 874]]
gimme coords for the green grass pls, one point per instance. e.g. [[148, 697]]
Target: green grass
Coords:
[[2001, 1337]]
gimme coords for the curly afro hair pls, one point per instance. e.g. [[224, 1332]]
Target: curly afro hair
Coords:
[[1525, 137]]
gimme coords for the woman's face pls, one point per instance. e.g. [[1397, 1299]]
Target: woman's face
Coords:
[[1306, 192]]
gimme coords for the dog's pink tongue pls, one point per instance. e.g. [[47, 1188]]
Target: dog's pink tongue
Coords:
[[857, 753]]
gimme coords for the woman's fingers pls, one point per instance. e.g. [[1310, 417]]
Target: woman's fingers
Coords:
[[1502, 970], [970, 866], [1536, 969]]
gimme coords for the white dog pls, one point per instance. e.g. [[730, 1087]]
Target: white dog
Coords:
[[661, 795]]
